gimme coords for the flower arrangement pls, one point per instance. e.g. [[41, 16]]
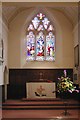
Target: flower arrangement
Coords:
[[65, 84]]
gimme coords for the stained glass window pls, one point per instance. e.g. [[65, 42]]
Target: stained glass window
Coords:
[[50, 28], [40, 42], [40, 15], [35, 22], [40, 47], [30, 27], [40, 28], [50, 47], [30, 46], [45, 22]]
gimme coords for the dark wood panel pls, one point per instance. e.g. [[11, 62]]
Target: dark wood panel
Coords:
[[2, 94], [19, 77]]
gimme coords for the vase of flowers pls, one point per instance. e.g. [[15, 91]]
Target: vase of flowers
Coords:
[[65, 86]]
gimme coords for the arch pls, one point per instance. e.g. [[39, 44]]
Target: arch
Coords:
[[40, 38], [58, 30]]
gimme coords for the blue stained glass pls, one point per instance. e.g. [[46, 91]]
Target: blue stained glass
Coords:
[[30, 46], [45, 22], [40, 47], [50, 47], [35, 22]]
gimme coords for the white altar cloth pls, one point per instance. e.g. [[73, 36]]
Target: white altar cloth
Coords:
[[40, 90]]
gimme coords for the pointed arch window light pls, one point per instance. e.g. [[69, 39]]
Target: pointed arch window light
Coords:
[[40, 39]]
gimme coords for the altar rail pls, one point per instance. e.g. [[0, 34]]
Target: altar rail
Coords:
[[19, 77]]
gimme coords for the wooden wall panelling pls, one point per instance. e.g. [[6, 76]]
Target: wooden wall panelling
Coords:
[[19, 77]]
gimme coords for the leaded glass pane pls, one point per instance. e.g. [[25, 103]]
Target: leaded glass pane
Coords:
[[45, 22], [30, 46], [35, 22], [40, 28], [50, 28], [40, 47], [40, 15], [30, 27], [50, 47]]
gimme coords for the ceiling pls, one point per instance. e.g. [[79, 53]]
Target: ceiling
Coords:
[[12, 9]]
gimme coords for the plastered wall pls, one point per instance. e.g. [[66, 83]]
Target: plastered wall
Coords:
[[76, 42]]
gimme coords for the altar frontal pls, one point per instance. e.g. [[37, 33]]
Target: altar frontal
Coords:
[[40, 90]]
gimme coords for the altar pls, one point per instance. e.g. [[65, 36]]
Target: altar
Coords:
[[40, 90]]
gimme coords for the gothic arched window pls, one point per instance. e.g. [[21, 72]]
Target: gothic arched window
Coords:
[[40, 39]]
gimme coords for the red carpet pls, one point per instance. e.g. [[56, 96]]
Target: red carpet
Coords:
[[37, 104], [40, 109]]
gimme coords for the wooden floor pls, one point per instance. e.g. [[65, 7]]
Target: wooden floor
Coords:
[[40, 110]]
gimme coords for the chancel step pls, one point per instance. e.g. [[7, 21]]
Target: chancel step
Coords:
[[37, 104]]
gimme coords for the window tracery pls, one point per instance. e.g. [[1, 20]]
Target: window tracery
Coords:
[[40, 42]]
